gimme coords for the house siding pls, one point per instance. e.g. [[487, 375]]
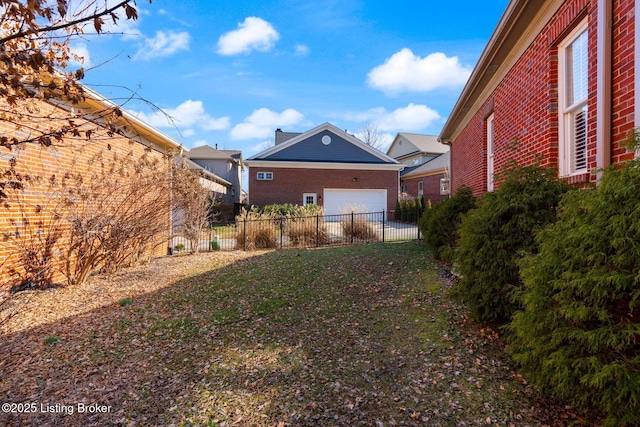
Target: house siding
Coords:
[[69, 155], [525, 102], [289, 184]]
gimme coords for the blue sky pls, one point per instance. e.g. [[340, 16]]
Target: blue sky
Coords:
[[230, 73]]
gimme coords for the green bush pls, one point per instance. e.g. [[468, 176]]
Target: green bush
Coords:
[[439, 224], [496, 234], [579, 332]]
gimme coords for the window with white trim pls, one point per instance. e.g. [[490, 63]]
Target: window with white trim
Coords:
[[573, 87], [420, 188], [490, 150], [265, 176], [309, 199], [444, 186]]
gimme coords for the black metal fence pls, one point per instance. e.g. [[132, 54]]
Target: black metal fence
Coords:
[[306, 231]]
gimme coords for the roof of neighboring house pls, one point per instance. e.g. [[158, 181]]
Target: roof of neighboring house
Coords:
[[282, 136], [417, 144], [208, 152], [510, 33], [438, 165], [191, 165], [324, 144]]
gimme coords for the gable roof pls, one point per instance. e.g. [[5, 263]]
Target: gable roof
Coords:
[[415, 144], [191, 165], [437, 165], [208, 152], [324, 144]]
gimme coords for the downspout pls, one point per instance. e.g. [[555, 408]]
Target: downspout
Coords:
[[603, 86], [636, 64]]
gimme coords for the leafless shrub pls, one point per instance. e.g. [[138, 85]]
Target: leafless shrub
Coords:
[[257, 230], [192, 200]]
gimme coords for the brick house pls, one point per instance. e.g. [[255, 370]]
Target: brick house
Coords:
[[327, 167], [556, 84], [429, 181], [423, 176], [120, 134]]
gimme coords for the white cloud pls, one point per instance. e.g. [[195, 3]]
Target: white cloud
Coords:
[[163, 44], [252, 34], [84, 57], [200, 143], [410, 118], [185, 116], [263, 122], [406, 72], [302, 50]]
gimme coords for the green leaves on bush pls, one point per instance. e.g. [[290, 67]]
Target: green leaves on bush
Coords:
[[439, 224], [579, 332], [497, 233]]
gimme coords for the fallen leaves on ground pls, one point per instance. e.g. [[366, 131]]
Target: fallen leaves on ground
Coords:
[[346, 336]]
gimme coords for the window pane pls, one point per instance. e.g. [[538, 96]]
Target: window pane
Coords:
[[577, 69], [579, 124]]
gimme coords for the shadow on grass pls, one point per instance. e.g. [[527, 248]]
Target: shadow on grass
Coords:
[[339, 336]]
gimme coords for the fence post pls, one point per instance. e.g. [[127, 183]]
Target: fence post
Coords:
[[383, 225], [317, 230], [244, 232], [352, 230], [281, 229]]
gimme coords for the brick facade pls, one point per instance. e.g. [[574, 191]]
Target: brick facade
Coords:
[[524, 104], [74, 155], [430, 187], [289, 184]]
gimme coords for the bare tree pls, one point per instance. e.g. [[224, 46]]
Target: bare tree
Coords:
[[370, 135], [192, 200], [35, 50]]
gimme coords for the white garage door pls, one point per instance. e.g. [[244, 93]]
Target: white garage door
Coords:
[[341, 201]]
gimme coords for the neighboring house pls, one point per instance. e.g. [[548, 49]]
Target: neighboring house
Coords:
[[418, 179], [228, 165], [414, 149], [219, 187], [324, 166], [111, 136], [429, 181], [556, 84]]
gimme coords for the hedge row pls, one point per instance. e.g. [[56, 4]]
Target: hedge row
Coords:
[[559, 272]]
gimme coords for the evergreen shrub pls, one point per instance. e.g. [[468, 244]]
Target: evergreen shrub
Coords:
[[439, 223], [578, 334], [496, 234]]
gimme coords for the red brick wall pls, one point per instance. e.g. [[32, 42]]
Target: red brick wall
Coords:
[[289, 184], [525, 103], [431, 187], [70, 155]]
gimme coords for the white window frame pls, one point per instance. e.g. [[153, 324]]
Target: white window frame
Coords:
[[420, 188], [306, 195], [264, 176], [490, 153], [572, 160], [444, 186]]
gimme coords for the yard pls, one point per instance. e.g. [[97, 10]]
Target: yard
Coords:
[[342, 336]]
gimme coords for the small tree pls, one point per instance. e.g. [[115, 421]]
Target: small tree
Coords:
[[36, 54], [192, 200]]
